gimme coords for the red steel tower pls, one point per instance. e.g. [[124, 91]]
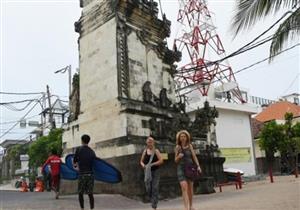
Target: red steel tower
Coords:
[[203, 53]]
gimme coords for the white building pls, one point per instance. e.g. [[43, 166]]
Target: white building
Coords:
[[256, 100], [233, 131], [293, 98], [1, 153]]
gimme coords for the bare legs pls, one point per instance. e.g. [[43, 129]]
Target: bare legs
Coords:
[[184, 190], [190, 193], [187, 194]]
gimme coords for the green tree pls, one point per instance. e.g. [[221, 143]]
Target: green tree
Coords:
[[296, 143], [296, 129], [249, 12], [14, 153], [285, 145], [270, 137], [289, 146], [41, 148]]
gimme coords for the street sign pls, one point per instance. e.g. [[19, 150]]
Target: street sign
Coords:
[[33, 123], [164, 156], [24, 157], [23, 123]]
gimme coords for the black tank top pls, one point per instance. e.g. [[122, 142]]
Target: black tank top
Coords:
[[147, 158]]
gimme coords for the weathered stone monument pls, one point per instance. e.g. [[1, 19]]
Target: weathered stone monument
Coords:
[[126, 91], [126, 85]]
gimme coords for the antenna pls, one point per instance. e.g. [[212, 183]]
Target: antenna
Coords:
[[199, 44]]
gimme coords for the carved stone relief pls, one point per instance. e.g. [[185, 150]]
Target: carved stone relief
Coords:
[[122, 57]]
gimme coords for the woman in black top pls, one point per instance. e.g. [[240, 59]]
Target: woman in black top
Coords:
[[184, 153], [150, 161]]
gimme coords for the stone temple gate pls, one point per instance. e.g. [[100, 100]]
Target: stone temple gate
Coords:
[[126, 90]]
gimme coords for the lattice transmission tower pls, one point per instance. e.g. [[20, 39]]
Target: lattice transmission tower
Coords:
[[202, 64]]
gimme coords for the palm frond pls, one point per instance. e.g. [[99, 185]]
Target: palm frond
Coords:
[[249, 12], [286, 31]]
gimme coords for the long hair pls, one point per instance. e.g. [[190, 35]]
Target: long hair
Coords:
[[186, 133]]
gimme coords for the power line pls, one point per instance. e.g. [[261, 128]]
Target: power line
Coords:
[[249, 46], [242, 49], [14, 132], [10, 106], [58, 98], [17, 122], [265, 59], [20, 120], [243, 69], [13, 108], [30, 134], [263, 33], [12, 93], [264, 41], [23, 137], [18, 102], [292, 83], [10, 122]]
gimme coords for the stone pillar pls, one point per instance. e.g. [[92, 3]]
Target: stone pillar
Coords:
[[126, 86]]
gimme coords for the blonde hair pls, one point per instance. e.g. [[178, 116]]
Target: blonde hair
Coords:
[[186, 133], [150, 138]]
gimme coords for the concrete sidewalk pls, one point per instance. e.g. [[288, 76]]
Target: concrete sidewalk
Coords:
[[8, 187], [284, 194]]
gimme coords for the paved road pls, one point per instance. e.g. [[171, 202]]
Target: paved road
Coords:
[[284, 194]]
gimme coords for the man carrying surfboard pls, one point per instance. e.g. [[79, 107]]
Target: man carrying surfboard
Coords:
[[83, 162], [54, 162]]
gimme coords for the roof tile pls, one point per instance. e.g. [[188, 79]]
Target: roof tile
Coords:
[[277, 111]]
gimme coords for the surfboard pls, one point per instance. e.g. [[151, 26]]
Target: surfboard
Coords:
[[102, 170], [65, 172]]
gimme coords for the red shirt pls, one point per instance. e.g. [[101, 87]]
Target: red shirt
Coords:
[[54, 162]]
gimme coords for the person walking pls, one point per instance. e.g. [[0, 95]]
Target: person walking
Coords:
[[83, 162], [150, 161], [185, 154], [54, 163]]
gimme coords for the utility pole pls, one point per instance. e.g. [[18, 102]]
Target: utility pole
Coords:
[[63, 70], [43, 104], [50, 109], [70, 80]]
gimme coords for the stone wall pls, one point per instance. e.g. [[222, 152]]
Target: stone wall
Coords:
[[98, 68], [121, 47], [102, 122], [144, 65], [133, 177]]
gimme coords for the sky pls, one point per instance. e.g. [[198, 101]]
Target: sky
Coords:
[[37, 38]]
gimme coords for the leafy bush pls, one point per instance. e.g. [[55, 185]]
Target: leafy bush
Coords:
[[41, 148]]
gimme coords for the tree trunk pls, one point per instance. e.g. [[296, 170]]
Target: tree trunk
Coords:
[[271, 172], [296, 168], [270, 159]]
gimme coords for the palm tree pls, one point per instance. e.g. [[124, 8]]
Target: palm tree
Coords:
[[248, 12]]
